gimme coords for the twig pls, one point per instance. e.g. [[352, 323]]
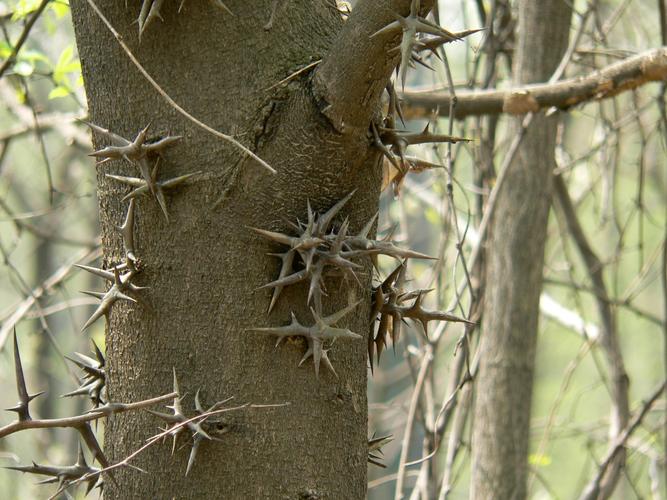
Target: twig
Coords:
[[78, 420], [592, 490], [405, 445], [167, 432], [294, 75], [609, 334], [18, 311], [23, 37], [633, 72], [166, 96]]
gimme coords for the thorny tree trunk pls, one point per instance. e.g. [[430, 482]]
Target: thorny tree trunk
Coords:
[[204, 266], [514, 273]]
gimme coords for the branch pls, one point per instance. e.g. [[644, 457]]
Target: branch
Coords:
[[592, 490], [17, 311], [78, 420], [608, 332], [169, 431], [352, 76], [633, 72], [23, 37]]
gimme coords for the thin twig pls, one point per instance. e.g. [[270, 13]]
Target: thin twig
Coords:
[[23, 37], [166, 96], [592, 490], [405, 445], [78, 420]]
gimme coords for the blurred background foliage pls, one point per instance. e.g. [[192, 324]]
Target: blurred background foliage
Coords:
[[612, 154]]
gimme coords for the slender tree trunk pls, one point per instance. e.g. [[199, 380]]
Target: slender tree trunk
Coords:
[[204, 266], [514, 272]]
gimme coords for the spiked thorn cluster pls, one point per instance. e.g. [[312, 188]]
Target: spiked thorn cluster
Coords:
[[64, 475], [145, 156], [321, 332], [150, 11], [93, 384], [375, 445], [204, 428], [412, 44], [391, 305], [323, 250], [394, 142], [318, 249]]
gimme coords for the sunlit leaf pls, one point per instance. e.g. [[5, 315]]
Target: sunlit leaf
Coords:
[[66, 64], [539, 460], [5, 50], [58, 92], [33, 56], [23, 8], [60, 8]]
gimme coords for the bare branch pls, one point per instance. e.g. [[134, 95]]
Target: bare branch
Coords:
[[631, 73], [592, 490], [18, 311], [78, 420], [609, 334]]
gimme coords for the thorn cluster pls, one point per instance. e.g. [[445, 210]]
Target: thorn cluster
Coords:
[[316, 335], [141, 187], [202, 428], [321, 249], [63, 475], [419, 35], [394, 142], [140, 153], [120, 283], [375, 445], [150, 11], [93, 384], [391, 305], [411, 43]]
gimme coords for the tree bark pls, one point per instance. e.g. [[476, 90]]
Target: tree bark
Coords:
[[204, 266], [514, 272]]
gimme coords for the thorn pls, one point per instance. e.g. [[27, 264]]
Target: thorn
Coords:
[[22, 407]]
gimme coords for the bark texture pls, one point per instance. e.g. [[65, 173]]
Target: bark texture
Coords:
[[204, 267], [514, 272]]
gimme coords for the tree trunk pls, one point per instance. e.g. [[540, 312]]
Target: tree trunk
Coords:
[[204, 266], [515, 257]]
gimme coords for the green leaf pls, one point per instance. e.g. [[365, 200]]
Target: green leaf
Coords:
[[23, 8], [60, 8], [5, 50], [33, 56], [65, 56], [539, 460], [432, 216], [58, 92], [66, 64]]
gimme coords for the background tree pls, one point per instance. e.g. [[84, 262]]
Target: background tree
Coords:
[[300, 86]]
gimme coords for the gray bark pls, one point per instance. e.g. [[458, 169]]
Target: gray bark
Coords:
[[203, 267], [514, 273]]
